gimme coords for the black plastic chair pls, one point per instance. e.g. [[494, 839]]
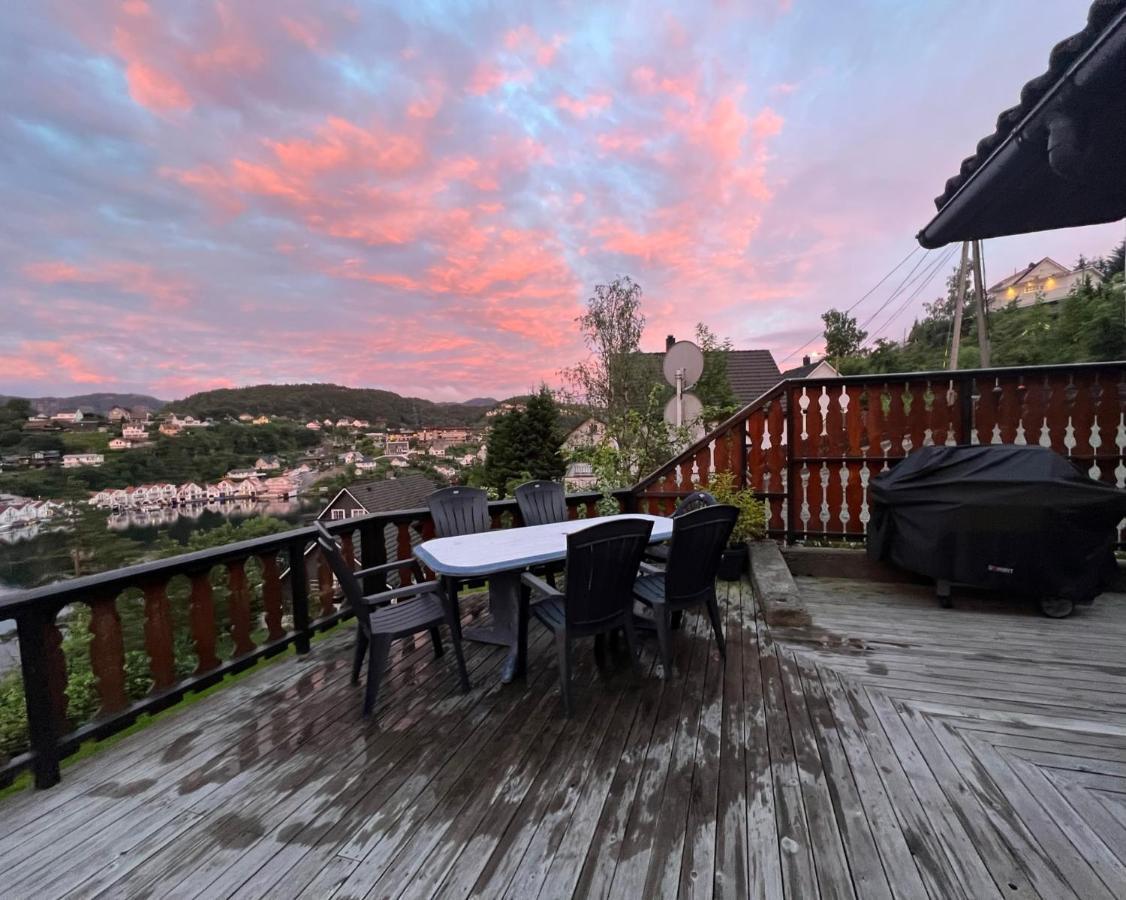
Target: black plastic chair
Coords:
[[456, 511], [542, 502], [659, 553], [688, 579], [379, 621], [602, 564]]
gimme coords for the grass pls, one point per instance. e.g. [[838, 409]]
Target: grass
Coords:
[[23, 781], [86, 441]]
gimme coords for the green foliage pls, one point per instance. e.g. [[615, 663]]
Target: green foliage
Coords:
[[751, 524], [303, 402], [523, 444], [713, 388], [843, 336]]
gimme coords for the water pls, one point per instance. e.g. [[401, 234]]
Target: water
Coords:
[[39, 555]]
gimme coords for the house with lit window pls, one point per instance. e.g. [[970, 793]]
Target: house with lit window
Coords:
[[1045, 281]]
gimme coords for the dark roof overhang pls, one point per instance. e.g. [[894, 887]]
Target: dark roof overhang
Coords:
[[1058, 158]]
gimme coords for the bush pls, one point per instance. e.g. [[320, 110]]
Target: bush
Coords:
[[751, 524]]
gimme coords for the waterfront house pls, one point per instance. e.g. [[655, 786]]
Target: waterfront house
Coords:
[[249, 489], [75, 460], [281, 486], [190, 492]]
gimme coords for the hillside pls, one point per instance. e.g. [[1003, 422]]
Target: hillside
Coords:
[[96, 403], [303, 402]]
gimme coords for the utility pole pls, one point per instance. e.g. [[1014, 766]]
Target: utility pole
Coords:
[[959, 301], [982, 324]]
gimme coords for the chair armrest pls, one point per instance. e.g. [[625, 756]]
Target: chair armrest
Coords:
[[387, 567], [538, 584], [650, 569], [409, 590]]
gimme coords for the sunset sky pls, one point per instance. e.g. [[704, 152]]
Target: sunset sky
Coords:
[[420, 196]]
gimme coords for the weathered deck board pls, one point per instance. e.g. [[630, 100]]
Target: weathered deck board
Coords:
[[894, 749]]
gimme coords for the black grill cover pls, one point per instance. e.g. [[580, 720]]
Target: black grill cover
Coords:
[[997, 516]]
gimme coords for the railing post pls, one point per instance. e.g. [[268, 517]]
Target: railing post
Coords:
[[741, 455], [791, 491], [299, 590], [373, 552], [966, 408], [37, 632]]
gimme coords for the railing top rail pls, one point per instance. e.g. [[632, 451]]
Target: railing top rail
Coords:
[[61, 592]]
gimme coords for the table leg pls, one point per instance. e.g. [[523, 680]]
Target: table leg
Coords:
[[509, 609]]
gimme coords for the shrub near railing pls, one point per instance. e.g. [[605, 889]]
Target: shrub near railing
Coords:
[[205, 615]]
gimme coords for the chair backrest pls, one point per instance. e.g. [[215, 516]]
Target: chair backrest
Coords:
[[694, 501], [602, 564], [349, 583], [459, 510], [698, 542], [542, 502]]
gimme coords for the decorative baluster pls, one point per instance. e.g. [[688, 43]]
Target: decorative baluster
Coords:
[[1008, 394], [238, 607], [775, 464], [272, 594], [1033, 409], [1107, 415], [756, 456], [158, 635], [914, 397], [722, 455], [898, 398], [1082, 416], [107, 655], [1056, 415], [703, 465], [201, 618]]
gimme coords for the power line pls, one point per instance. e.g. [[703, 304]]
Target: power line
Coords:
[[894, 294], [926, 278], [871, 291]]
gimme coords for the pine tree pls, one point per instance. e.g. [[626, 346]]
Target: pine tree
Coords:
[[542, 436]]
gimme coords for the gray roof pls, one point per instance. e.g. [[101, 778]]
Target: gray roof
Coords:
[[751, 373], [801, 371], [407, 492]]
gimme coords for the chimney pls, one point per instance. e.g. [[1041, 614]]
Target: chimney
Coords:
[[669, 341], [805, 360]]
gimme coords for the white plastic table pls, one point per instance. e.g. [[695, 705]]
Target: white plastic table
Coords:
[[501, 556]]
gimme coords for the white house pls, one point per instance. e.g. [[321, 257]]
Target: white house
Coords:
[[250, 488], [351, 457], [119, 498], [397, 448], [588, 433], [119, 413], [344, 423], [313, 426], [211, 492], [66, 418], [399, 462], [170, 429], [75, 460], [446, 471], [367, 465], [190, 493], [1046, 281], [102, 499], [580, 477], [120, 444], [134, 433], [812, 368], [280, 486], [267, 463], [227, 489], [240, 474]]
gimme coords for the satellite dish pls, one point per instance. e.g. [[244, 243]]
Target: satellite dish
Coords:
[[691, 411], [687, 359]]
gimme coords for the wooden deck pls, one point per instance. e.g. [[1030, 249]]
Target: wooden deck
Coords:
[[895, 749]]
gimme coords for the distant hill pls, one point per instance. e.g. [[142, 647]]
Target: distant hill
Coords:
[[96, 403], [481, 401], [304, 402]]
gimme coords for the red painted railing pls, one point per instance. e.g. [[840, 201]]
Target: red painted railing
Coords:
[[809, 447]]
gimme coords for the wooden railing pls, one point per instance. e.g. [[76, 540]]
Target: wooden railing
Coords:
[[809, 447], [203, 618]]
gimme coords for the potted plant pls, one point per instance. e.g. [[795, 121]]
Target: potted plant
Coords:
[[750, 526]]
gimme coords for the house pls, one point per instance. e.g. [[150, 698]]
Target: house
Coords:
[[260, 420], [171, 428], [367, 465], [41, 459], [400, 462], [250, 488], [282, 486], [101, 499], [241, 474], [120, 444], [812, 368], [327, 423], [246, 417], [448, 472], [351, 457], [750, 373], [344, 422], [75, 460], [227, 489], [134, 433], [166, 492], [65, 418], [119, 414], [190, 493], [361, 423], [313, 426], [440, 448], [397, 448], [589, 433], [119, 498], [1046, 281], [407, 492], [580, 477], [467, 459], [10, 516], [267, 463], [39, 423]]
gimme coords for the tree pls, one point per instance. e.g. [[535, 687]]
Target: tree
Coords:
[[843, 336], [1114, 263], [524, 444], [616, 382], [713, 388]]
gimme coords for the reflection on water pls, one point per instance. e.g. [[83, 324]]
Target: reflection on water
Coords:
[[40, 554]]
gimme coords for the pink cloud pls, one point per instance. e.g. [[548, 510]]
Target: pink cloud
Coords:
[[589, 105], [162, 290], [647, 81], [524, 39], [40, 360]]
